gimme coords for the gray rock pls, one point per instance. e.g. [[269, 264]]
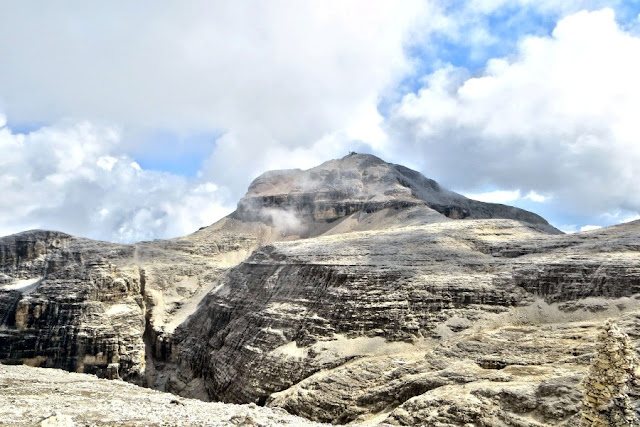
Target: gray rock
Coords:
[[54, 398], [357, 291], [361, 183]]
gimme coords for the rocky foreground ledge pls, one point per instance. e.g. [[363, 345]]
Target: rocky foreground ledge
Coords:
[[52, 397]]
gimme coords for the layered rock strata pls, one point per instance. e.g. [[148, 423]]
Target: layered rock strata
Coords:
[[360, 183], [357, 291], [323, 327], [104, 308], [112, 309]]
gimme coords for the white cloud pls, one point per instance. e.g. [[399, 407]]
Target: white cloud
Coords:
[[275, 74], [630, 218], [106, 162], [507, 196], [558, 119], [290, 84], [590, 227], [284, 84], [535, 197], [497, 196], [69, 178]]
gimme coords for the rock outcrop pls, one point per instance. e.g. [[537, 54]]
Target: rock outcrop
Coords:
[[69, 303], [103, 308], [612, 374], [357, 291], [111, 309]]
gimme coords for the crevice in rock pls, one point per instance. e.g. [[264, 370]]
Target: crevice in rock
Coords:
[[492, 364], [147, 335], [9, 304]]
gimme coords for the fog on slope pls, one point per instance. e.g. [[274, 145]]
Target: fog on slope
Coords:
[[360, 192]]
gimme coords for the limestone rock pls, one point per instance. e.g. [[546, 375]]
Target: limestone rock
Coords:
[[363, 184], [33, 396], [69, 303], [111, 309], [357, 291], [58, 420], [611, 375], [316, 326]]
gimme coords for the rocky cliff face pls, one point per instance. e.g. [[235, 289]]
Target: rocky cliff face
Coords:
[[103, 308], [323, 327], [68, 303], [349, 292]]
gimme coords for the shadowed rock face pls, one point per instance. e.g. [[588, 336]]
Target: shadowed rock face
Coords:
[[67, 303], [103, 308], [338, 293]]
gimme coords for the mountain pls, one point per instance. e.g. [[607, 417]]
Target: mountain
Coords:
[[356, 291], [323, 198]]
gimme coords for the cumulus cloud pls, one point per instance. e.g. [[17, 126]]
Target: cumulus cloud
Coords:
[[290, 84], [507, 196], [279, 73], [590, 227], [558, 118], [277, 84], [71, 178], [497, 196]]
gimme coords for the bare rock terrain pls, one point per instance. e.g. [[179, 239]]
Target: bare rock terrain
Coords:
[[342, 327], [354, 292], [38, 397]]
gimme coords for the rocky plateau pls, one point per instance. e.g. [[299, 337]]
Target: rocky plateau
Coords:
[[354, 292]]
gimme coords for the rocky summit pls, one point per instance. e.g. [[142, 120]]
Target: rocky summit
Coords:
[[355, 292]]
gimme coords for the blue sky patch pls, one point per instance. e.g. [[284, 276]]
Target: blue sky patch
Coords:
[[169, 152]]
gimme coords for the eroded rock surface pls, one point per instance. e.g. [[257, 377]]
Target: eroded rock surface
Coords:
[[112, 309], [37, 397], [104, 308], [340, 327], [69, 303], [357, 291], [364, 184]]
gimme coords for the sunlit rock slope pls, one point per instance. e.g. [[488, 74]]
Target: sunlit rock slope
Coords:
[[341, 327]]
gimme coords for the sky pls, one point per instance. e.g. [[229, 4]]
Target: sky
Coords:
[[128, 121]]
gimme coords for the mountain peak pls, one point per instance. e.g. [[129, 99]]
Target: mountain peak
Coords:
[[363, 183]]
